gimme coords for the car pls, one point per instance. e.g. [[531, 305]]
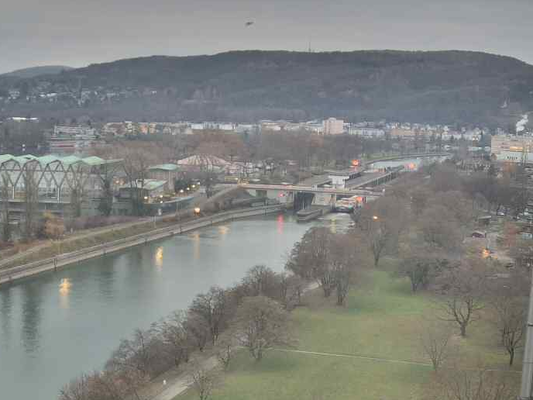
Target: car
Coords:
[[478, 235]]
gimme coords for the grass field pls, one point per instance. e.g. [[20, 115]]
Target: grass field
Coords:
[[383, 320]]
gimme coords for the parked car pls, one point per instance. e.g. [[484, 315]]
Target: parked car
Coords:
[[478, 235]]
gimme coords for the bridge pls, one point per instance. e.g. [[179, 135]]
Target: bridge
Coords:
[[309, 189]]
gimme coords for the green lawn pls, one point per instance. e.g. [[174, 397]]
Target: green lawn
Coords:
[[382, 319]]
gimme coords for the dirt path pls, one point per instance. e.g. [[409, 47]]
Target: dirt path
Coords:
[[381, 359], [180, 382]]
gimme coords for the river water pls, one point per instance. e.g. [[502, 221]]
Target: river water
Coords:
[[57, 325]]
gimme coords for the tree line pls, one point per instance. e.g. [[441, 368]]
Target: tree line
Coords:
[[253, 314]]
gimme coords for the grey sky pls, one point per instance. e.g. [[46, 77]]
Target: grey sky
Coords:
[[80, 32]]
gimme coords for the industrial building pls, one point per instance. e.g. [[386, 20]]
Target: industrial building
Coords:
[[510, 148], [57, 182]]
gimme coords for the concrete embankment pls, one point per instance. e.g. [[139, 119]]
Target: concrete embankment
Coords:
[[23, 271]]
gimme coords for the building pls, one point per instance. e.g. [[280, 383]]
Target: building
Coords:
[[72, 138], [58, 181], [74, 130], [151, 190], [203, 163], [509, 148], [403, 133], [165, 172], [333, 126], [366, 132], [341, 179]]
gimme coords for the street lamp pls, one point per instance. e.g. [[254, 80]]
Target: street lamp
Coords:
[[197, 210]]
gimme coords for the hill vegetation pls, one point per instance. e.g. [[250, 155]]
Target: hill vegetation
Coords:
[[439, 87], [37, 71]]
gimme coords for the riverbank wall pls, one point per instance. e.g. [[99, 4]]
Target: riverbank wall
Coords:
[[13, 274]]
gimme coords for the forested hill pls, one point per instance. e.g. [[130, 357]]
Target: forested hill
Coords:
[[443, 86], [37, 71]]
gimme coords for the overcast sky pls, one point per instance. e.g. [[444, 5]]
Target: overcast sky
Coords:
[[81, 32]]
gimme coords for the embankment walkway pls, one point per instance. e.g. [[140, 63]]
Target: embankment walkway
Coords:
[[50, 264]]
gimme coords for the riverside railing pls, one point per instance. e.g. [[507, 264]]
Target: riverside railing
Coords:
[[62, 260]]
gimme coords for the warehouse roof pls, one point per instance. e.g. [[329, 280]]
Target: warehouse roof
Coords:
[[48, 159]]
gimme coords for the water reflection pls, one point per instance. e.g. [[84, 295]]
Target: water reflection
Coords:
[[31, 316], [64, 290], [196, 245], [6, 304], [106, 277], [223, 230], [57, 328], [280, 223], [158, 258]]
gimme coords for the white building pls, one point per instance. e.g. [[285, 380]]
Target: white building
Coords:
[[508, 148], [333, 126], [74, 130], [366, 132]]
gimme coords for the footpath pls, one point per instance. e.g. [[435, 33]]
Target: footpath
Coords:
[[174, 383], [9, 275]]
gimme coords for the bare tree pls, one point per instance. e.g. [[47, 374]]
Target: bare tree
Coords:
[[290, 290], [441, 229], [173, 333], [4, 211], [214, 308], [347, 258], [31, 196], [511, 313], [203, 382], [381, 223], [198, 330], [434, 341], [310, 257], [260, 324], [463, 289], [77, 389], [226, 350], [475, 385], [77, 180], [418, 262], [261, 280], [137, 159], [143, 354]]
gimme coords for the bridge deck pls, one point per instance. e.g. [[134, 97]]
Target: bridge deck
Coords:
[[308, 189]]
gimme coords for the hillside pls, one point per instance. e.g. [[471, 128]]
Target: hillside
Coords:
[[444, 86], [36, 71]]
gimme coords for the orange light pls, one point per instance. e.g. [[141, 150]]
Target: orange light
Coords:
[[355, 163]]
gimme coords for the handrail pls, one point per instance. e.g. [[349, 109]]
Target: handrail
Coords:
[[119, 244]]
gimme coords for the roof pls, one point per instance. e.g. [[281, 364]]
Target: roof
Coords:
[[148, 184], [165, 167], [344, 172], [48, 159], [199, 161]]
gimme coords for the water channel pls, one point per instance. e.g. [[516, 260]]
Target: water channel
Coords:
[[55, 326]]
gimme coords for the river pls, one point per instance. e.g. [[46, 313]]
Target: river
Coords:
[[57, 325]]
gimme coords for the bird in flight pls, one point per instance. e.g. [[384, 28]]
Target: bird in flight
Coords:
[[249, 23]]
